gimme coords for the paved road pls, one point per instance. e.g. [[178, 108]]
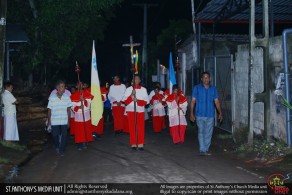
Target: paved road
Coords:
[[110, 160]]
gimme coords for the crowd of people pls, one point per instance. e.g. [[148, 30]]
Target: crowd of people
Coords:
[[125, 106]]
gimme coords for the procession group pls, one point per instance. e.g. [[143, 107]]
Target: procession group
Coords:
[[128, 111]]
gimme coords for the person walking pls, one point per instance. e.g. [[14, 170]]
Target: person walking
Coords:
[[158, 111], [115, 95], [177, 107], [204, 96], [136, 95], [10, 122], [59, 116], [81, 104]]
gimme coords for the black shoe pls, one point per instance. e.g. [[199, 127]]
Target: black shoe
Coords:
[[141, 149], [134, 148]]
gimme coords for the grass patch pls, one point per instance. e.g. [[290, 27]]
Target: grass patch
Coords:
[[265, 149], [225, 136], [4, 160], [13, 146]]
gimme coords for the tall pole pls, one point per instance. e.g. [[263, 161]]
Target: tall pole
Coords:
[[132, 45], [144, 51], [3, 10]]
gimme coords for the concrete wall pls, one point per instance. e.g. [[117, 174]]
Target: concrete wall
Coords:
[[277, 111]]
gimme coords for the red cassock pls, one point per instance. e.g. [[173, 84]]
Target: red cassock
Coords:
[[126, 123], [100, 126], [82, 127], [158, 112], [142, 100], [116, 93], [176, 115], [72, 121]]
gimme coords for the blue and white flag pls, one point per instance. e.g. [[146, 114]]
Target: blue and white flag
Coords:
[[171, 74], [96, 104]]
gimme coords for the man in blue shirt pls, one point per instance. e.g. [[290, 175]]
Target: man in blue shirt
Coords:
[[204, 96]]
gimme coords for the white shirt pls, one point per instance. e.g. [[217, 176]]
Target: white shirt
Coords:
[[116, 93], [141, 94], [8, 99]]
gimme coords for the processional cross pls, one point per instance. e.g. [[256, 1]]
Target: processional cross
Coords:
[[131, 45]]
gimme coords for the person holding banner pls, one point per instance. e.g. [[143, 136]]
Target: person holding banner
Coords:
[[177, 107], [115, 95], [98, 130], [136, 94]]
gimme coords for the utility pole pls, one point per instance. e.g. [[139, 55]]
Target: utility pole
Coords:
[[3, 10], [144, 51]]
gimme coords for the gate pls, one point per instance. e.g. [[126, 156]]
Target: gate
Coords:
[[220, 69]]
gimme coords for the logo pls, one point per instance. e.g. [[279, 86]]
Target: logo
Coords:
[[94, 63], [277, 183]]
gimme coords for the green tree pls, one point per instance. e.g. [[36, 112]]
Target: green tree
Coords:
[[165, 42], [60, 32]]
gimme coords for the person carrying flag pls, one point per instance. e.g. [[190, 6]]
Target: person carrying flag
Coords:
[[177, 107], [98, 130]]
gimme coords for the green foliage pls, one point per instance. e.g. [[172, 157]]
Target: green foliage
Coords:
[[4, 160], [166, 42], [266, 149], [225, 136], [286, 103], [240, 135], [13, 146], [62, 30]]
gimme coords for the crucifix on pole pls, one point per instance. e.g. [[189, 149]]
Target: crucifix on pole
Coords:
[[131, 45]]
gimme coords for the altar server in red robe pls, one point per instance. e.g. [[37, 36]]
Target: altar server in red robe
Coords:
[[138, 95], [115, 95], [82, 123], [177, 107], [98, 130], [158, 111]]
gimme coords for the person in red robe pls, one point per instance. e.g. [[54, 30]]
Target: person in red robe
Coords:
[[72, 117], [177, 107], [158, 111], [115, 95], [136, 95], [82, 124], [98, 130]]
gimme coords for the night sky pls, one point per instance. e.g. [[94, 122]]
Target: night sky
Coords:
[[114, 58]]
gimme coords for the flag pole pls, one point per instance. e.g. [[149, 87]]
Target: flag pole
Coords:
[[77, 70]]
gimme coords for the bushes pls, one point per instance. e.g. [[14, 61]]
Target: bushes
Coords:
[[264, 149]]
